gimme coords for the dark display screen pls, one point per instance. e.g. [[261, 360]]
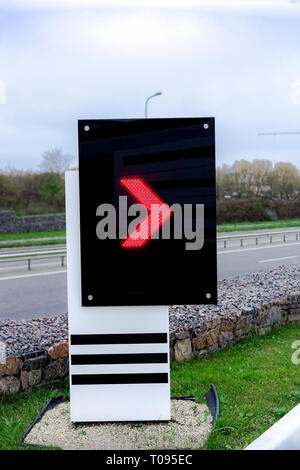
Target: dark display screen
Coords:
[[147, 211]]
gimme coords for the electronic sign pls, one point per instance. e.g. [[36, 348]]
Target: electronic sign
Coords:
[[147, 211]]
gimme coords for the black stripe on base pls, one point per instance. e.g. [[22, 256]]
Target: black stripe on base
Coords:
[[124, 338], [102, 379], [143, 358]]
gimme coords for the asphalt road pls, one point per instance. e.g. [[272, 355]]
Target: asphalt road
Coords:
[[43, 290]]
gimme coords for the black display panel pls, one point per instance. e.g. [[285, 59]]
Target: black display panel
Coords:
[[164, 254]]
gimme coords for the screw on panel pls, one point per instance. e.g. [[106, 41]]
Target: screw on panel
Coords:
[[208, 295], [86, 128], [90, 297], [206, 126]]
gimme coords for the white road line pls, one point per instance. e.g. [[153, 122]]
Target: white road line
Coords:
[[21, 266], [277, 259], [32, 275], [243, 250]]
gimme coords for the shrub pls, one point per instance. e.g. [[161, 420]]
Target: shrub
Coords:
[[270, 215], [253, 210]]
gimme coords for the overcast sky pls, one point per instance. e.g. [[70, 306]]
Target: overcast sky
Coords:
[[62, 60]]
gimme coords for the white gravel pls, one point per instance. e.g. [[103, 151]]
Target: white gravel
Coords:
[[189, 428]]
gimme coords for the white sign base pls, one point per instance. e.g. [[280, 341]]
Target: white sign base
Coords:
[[122, 391]]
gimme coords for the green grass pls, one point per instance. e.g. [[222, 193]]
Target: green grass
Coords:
[[258, 225], [24, 236], [31, 235], [17, 412], [32, 243], [256, 381]]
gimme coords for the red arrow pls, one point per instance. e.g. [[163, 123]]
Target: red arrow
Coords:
[[159, 212]]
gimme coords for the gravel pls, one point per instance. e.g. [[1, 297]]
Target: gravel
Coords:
[[189, 427], [234, 295]]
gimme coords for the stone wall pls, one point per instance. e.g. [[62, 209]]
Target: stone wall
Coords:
[[43, 367], [214, 334], [9, 223], [35, 369]]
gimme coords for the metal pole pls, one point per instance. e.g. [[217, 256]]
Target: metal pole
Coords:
[[146, 102]]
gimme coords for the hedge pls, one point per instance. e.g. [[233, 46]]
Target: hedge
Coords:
[[252, 210]]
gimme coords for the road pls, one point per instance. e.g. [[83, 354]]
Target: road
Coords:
[[43, 290]]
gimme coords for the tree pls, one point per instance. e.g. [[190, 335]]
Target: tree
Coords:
[[224, 181], [55, 161], [51, 188], [261, 170], [286, 180], [243, 175]]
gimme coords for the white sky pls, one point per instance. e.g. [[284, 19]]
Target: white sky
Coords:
[[71, 59]]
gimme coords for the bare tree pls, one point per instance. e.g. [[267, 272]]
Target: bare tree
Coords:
[[56, 161], [261, 170], [286, 180], [243, 175]]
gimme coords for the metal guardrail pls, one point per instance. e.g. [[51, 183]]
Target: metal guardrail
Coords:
[[256, 236], [30, 255], [62, 253]]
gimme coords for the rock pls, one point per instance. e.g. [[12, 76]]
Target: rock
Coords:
[[35, 363], [241, 323], [227, 325], [56, 369], [183, 349], [182, 334], [9, 384], [206, 339], [59, 350], [34, 377], [239, 333], [263, 330], [225, 337], [214, 347], [24, 379], [12, 366]]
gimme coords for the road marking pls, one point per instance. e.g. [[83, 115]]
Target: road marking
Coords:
[[34, 265], [243, 250], [32, 275], [277, 259]]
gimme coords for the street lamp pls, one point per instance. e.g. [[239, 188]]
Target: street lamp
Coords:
[[146, 102]]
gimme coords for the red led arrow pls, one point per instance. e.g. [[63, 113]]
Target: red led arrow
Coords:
[[158, 212]]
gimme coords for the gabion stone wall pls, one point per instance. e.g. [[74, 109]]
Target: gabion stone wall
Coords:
[[9, 223], [35, 369], [45, 366], [216, 333]]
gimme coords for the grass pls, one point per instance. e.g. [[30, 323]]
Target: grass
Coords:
[[24, 236], [12, 238], [257, 384], [33, 243], [256, 381], [240, 226], [17, 412]]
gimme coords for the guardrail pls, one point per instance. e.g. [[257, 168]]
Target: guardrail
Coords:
[[256, 236], [62, 253], [30, 255]]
